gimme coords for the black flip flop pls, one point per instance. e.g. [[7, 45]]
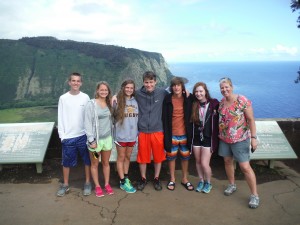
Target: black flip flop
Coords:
[[187, 185], [171, 184]]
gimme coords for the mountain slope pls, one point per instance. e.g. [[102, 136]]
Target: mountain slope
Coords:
[[34, 71]]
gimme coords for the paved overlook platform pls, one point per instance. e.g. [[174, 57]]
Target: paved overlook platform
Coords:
[[30, 198]]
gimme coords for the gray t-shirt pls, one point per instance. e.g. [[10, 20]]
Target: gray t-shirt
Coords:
[[104, 121]]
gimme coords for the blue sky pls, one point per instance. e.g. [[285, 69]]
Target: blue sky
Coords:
[[181, 30]]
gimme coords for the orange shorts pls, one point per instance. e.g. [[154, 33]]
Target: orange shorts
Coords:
[[151, 142]]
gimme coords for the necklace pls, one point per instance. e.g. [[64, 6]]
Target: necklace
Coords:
[[202, 114]]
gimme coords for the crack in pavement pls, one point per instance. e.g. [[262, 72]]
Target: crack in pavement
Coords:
[[275, 196]]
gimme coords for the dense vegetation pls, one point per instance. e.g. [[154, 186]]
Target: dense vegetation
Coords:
[[33, 70]]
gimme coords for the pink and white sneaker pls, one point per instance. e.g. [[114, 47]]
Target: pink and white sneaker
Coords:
[[109, 190], [99, 192]]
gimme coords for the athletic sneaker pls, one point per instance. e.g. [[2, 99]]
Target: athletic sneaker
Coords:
[[63, 189], [141, 184], [109, 190], [87, 189], [207, 187], [230, 189], [157, 184], [99, 192], [200, 186], [127, 186], [253, 201]]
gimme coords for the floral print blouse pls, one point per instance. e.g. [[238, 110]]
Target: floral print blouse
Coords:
[[233, 126]]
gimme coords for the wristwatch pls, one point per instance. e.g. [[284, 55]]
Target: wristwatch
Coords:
[[255, 137]]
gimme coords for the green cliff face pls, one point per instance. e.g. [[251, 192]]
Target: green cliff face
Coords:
[[34, 71]]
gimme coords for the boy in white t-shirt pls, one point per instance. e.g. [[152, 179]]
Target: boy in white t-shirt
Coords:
[[71, 132]]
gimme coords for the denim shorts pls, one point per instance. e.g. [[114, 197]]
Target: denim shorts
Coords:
[[239, 150], [70, 149], [179, 143]]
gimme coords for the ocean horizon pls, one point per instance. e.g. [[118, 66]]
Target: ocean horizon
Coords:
[[270, 85]]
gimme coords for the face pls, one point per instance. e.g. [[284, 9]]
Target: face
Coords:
[[177, 89], [226, 89], [75, 83], [200, 94], [102, 91], [149, 85], [128, 90]]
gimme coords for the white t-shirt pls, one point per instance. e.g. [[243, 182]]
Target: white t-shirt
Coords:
[[71, 115]]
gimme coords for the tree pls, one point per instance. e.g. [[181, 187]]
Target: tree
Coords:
[[298, 78], [295, 5]]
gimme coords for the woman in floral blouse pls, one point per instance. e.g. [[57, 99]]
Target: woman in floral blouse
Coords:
[[237, 132]]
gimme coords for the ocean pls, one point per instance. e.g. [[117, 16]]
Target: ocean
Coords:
[[269, 85]]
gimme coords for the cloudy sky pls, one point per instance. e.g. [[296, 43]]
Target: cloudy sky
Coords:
[[182, 30]]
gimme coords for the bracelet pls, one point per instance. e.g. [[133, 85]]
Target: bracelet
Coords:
[[255, 137]]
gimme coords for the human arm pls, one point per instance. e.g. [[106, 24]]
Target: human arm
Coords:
[[89, 116], [60, 122], [114, 100], [251, 121]]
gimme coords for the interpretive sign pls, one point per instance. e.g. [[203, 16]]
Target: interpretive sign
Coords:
[[24, 143], [272, 143]]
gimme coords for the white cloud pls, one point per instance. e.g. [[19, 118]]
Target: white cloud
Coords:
[[176, 28], [280, 49]]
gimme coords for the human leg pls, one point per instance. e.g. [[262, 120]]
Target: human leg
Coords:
[[143, 182], [171, 164], [94, 169], [197, 155], [127, 159], [121, 161], [66, 174], [249, 176], [226, 152], [158, 151], [84, 153], [69, 159], [229, 168], [205, 163], [184, 169], [105, 155]]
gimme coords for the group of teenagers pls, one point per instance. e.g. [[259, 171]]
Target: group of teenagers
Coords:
[[165, 124]]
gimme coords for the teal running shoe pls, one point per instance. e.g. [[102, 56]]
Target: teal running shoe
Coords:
[[207, 187], [200, 186], [127, 186]]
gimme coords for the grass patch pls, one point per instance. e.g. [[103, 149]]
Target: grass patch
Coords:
[[29, 115]]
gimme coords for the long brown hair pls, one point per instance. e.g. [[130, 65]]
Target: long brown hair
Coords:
[[119, 113], [195, 106], [108, 97]]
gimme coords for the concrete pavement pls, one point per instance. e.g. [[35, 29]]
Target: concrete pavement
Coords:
[[36, 203]]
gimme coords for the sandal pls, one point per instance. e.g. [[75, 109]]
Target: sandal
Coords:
[[171, 186], [188, 186]]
